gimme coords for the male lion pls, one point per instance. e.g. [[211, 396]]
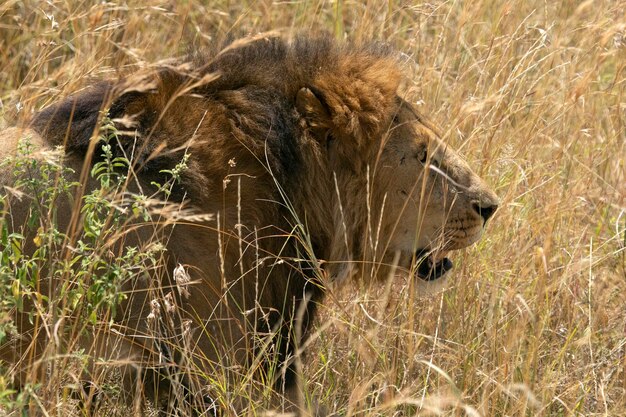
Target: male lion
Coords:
[[313, 167]]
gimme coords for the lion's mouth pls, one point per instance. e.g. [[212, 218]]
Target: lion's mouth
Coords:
[[431, 265]]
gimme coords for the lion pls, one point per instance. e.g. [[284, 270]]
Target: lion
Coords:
[[310, 167]]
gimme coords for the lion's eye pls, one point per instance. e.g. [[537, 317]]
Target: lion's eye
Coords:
[[422, 155]]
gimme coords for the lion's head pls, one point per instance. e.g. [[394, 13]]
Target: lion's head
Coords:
[[369, 175], [410, 198]]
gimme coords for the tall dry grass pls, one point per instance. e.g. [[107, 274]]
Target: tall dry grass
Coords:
[[533, 319]]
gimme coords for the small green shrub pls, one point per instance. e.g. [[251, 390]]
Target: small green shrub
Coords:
[[88, 263]]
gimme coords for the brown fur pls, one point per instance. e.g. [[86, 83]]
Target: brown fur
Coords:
[[324, 149]]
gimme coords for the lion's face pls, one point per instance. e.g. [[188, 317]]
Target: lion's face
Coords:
[[434, 202], [425, 200]]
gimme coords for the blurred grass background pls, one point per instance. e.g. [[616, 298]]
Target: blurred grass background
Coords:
[[533, 93]]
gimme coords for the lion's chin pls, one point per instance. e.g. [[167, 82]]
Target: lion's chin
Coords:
[[431, 265]]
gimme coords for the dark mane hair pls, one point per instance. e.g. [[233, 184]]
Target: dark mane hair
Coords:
[[247, 89], [277, 64]]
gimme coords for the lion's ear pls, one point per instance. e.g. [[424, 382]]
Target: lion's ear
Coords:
[[317, 116], [353, 100]]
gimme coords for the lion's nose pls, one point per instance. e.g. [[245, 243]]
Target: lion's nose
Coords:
[[484, 210]]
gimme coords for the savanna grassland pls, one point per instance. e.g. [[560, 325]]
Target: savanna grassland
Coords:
[[532, 321]]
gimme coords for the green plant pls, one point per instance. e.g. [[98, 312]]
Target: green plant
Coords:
[[90, 263]]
